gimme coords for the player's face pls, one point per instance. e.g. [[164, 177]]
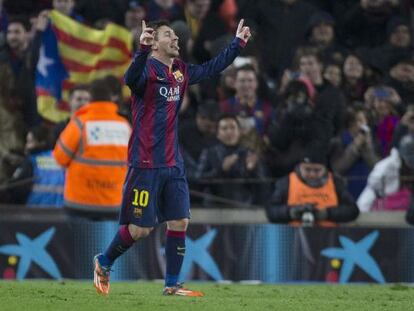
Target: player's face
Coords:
[[312, 171], [246, 83], [16, 36], [166, 42], [228, 132], [78, 99]]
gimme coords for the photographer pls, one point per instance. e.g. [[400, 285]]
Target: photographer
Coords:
[[311, 195], [353, 152], [298, 123]]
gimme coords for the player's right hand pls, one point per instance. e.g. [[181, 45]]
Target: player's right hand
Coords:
[[147, 35]]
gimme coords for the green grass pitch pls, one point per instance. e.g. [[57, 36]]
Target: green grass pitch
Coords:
[[128, 296]]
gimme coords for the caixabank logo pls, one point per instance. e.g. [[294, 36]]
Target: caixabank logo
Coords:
[[351, 255], [28, 251]]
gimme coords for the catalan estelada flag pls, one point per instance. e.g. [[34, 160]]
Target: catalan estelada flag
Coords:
[[72, 53]]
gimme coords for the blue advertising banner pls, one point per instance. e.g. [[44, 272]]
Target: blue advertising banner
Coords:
[[265, 252]]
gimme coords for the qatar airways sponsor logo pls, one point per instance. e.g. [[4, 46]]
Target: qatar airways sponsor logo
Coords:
[[170, 93]]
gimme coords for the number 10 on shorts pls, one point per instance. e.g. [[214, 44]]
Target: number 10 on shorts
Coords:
[[141, 198]]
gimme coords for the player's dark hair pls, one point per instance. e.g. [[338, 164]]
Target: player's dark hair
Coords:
[[157, 24], [100, 91]]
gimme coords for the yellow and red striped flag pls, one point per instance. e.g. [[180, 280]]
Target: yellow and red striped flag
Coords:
[[72, 53]]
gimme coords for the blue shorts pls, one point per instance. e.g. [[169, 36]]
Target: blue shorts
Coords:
[[154, 195]]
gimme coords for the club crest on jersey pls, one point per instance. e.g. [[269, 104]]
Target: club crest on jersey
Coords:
[[178, 76]]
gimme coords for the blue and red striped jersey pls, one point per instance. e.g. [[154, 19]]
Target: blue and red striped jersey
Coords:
[[157, 94]]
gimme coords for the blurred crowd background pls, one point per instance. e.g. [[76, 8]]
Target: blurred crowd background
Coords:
[[326, 82]]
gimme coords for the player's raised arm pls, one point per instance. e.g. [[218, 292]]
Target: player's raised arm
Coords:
[[224, 59], [134, 75]]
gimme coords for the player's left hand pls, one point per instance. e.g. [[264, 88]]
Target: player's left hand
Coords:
[[243, 32]]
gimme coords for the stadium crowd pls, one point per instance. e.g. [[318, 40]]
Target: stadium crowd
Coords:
[[323, 98]]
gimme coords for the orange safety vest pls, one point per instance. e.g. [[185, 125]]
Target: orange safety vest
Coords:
[[323, 197], [93, 147]]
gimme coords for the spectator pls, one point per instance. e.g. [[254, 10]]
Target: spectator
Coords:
[[332, 72], [18, 54], [401, 77], [382, 102], [354, 83], [246, 102], [365, 22], [321, 35], [405, 126], [12, 127], [353, 152], [197, 134], [330, 100], [79, 96], [298, 123], [163, 9], [399, 43], [134, 15], [93, 148], [311, 195], [38, 181], [280, 27], [228, 160], [207, 28], [67, 7], [390, 183]]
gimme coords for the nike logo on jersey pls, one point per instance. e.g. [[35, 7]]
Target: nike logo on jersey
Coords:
[[160, 78]]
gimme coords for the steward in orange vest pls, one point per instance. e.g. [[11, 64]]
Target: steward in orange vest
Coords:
[[93, 148], [311, 195]]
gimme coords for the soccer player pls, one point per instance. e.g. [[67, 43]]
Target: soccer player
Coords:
[[156, 188]]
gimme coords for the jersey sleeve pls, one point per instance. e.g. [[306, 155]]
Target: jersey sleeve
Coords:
[[216, 65], [136, 74]]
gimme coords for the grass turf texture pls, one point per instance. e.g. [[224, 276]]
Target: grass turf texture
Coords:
[[78, 296]]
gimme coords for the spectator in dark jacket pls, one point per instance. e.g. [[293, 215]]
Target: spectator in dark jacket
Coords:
[[311, 195], [198, 134], [39, 180], [281, 26], [353, 151], [230, 160], [18, 54], [365, 22], [321, 35]]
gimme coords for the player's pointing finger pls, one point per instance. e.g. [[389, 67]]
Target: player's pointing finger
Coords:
[[240, 26], [143, 25]]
